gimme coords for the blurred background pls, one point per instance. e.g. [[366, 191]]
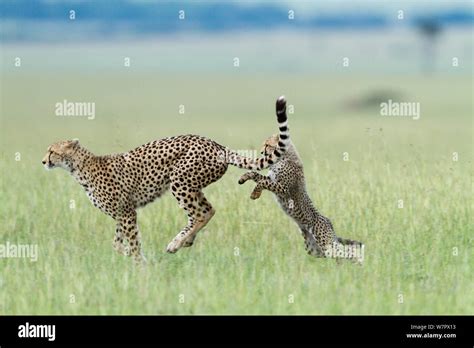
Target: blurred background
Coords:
[[148, 59], [309, 37]]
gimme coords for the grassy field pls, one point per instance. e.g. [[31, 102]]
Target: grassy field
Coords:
[[250, 259]]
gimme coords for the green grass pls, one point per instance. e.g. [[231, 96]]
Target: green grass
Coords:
[[409, 251]]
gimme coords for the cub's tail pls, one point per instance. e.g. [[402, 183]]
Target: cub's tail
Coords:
[[344, 241], [351, 249], [269, 159]]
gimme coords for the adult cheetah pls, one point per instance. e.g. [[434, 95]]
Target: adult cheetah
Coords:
[[118, 184], [286, 181]]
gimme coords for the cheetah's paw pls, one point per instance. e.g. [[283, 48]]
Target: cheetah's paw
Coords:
[[246, 176], [188, 242], [256, 194], [174, 246]]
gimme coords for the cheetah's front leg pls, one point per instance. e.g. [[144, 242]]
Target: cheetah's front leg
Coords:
[[257, 191], [118, 243], [263, 183], [199, 212], [249, 176], [311, 243], [127, 228]]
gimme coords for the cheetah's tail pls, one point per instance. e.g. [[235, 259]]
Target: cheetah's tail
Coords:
[[344, 241], [283, 143]]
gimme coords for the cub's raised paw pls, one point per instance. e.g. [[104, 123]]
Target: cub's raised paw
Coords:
[[256, 193], [246, 176]]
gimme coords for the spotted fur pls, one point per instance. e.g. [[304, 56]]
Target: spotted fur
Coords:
[[119, 184], [286, 180]]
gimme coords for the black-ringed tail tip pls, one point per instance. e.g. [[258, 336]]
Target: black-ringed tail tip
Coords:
[[282, 118], [281, 99], [269, 159], [281, 107]]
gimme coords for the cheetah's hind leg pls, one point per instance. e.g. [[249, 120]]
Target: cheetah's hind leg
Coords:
[[199, 212], [189, 242]]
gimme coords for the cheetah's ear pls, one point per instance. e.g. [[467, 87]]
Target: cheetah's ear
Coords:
[[273, 140], [72, 143]]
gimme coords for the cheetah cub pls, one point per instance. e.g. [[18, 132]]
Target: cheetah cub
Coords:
[[286, 180], [119, 184]]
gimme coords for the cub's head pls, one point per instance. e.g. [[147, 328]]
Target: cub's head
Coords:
[[60, 154], [270, 145]]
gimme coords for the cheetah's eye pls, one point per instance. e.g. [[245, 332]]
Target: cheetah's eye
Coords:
[[55, 154]]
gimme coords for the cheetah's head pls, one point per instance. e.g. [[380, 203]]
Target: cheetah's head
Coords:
[[270, 145], [60, 154]]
